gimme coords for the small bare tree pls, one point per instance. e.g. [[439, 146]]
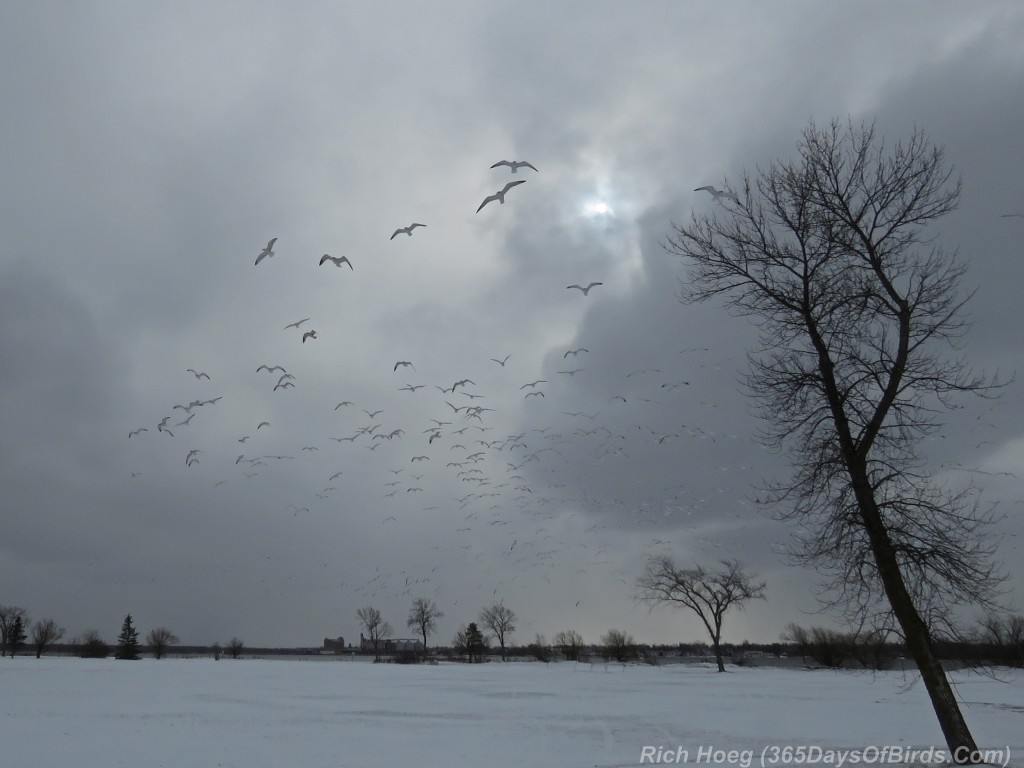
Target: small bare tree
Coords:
[[539, 649], [377, 630], [423, 616], [1006, 635], [570, 642], [860, 318], [92, 645], [501, 622], [45, 633], [618, 646], [828, 647], [235, 647], [709, 594], [159, 639]]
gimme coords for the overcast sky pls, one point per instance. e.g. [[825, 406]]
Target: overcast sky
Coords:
[[150, 153]]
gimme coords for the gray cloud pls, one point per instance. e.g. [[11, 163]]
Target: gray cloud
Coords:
[[152, 154]]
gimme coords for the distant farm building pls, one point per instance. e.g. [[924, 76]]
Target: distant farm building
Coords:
[[391, 645], [336, 645]]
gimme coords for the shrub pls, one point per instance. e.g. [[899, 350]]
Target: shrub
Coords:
[[92, 646]]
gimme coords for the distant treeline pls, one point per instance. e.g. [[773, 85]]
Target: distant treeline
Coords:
[[825, 648]]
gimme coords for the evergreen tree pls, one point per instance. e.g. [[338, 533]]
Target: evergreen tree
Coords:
[[128, 640], [475, 643], [17, 634]]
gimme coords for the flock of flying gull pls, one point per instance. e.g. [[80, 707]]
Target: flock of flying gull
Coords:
[[493, 478]]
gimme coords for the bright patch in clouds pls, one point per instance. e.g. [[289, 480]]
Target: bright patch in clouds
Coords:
[[594, 208]]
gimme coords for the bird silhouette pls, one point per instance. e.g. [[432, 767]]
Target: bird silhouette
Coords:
[[586, 290], [338, 261], [308, 335], [405, 230], [513, 165], [500, 195], [266, 252]]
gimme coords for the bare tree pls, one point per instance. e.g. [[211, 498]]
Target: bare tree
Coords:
[[1006, 636], [92, 646], [235, 647], [10, 616], [859, 316], [45, 633], [618, 645], [828, 647], [709, 594], [539, 649], [501, 622], [423, 616], [570, 642], [377, 630], [158, 639]]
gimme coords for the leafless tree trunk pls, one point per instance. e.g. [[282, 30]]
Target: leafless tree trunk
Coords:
[[45, 633], [423, 616], [501, 622], [858, 314], [376, 628], [709, 594], [570, 642], [158, 639], [618, 645]]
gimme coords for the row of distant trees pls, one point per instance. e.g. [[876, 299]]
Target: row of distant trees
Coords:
[[709, 593], [496, 622], [16, 634], [15, 631], [995, 640], [497, 619]]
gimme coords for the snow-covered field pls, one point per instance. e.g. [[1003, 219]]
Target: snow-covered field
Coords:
[[251, 713]]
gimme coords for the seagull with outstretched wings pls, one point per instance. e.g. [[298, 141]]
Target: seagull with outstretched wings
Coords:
[[406, 230], [500, 195], [584, 290], [513, 165], [338, 260], [267, 252]]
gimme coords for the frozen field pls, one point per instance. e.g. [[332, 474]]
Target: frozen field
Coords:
[[248, 713]]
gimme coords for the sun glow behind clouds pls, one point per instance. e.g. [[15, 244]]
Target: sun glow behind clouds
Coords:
[[594, 208]]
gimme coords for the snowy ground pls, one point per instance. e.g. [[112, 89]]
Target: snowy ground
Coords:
[[249, 713]]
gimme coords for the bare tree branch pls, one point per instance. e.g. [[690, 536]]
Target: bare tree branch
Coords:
[[861, 325]]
